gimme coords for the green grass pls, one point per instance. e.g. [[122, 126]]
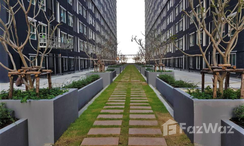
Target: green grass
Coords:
[[129, 79]]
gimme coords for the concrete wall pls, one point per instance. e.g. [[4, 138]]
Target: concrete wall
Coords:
[[117, 69], [47, 119], [195, 112], [143, 69], [166, 90], [106, 76], [151, 77], [235, 139], [85, 94], [15, 134], [114, 74]]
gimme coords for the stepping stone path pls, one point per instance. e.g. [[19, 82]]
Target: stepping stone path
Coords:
[[126, 101]]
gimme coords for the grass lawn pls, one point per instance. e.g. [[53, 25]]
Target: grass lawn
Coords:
[[129, 79]]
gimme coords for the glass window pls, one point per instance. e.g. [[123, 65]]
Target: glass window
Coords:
[[63, 15], [70, 20], [70, 2]]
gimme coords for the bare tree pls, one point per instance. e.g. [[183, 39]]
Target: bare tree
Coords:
[[10, 36], [223, 16]]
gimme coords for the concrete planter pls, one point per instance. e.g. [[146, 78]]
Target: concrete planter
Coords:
[[47, 119], [143, 69], [117, 69], [236, 138], [166, 90], [85, 94], [195, 112], [15, 134], [151, 76], [106, 76], [114, 74]]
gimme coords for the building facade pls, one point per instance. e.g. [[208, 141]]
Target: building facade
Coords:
[[166, 18], [85, 25]]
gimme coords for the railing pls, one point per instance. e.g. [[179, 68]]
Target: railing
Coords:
[[56, 42]]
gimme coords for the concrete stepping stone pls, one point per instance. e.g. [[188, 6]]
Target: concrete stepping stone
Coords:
[[138, 100], [141, 111], [144, 131], [110, 116], [139, 103], [108, 141], [108, 123], [138, 95], [116, 100], [104, 131], [140, 107], [116, 103], [146, 141], [112, 111], [142, 116], [143, 123], [114, 107], [118, 95]]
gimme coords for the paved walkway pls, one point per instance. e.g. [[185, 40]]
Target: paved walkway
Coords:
[[127, 110], [57, 80]]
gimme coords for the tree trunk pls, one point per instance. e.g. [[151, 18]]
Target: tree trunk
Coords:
[[221, 87]]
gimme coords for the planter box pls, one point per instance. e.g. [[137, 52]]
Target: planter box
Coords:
[[166, 90], [236, 138], [106, 76], [195, 112], [15, 134], [143, 69], [117, 69], [47, 119], [114, 74], [151, 77], [85, 94]]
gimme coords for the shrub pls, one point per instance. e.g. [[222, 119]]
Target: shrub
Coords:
[[239, 113], [82, 83], [31, 94], [110, 69], [114, 66], [6, 116], [151, 70], [178, 84], [208, 94]]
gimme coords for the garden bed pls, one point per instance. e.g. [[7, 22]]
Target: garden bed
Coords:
[[15, 134], [47, 118], [151, 76], [106, 76]]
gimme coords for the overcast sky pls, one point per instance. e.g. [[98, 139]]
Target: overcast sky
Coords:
[[131, 21]]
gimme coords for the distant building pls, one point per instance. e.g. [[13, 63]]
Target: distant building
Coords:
[[84, 23], [166, 17]]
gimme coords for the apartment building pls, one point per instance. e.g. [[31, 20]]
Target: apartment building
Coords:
[[165, 18], [86, 24]]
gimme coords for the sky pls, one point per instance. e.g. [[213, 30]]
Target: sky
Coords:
[[130, 22]]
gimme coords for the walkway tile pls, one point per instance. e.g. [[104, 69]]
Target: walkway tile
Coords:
[[114, 107], [138, 98], [118, 95], [110, 116], [145, 131], [141, 111], [143, 123], [140, 107], [108, 123], [143, 141], [104, 131], [115, 103], [108, 141], [139, 103], [117, 100], [112, 111], [137, 116]]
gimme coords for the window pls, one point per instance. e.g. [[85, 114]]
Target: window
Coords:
[[70, 20], [191, 63], [70, 41], [63, 15], [84, 12], [176, 11], [181, 43], [72, 64], [65, 64], [201, 37], [198, 62], [81, 47], [181, 25], [80, 27], [80, 8], [233, 59], [42, 30], [192, 19], [192, 39], [84, 27], [70, 2], [42, 4], [33, 2], [63, 37], [32, 28]]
